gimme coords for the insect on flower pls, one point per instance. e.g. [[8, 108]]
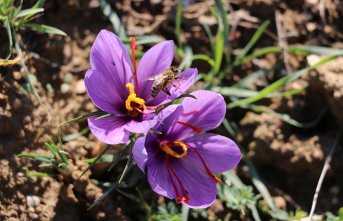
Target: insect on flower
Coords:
[[180, 158], [163, 80], [117, 86]]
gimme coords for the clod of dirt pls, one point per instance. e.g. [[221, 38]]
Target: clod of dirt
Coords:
[[330, 77]]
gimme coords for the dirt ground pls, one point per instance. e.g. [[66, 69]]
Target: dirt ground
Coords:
[[289, 159]]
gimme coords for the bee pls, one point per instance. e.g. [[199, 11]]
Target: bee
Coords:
[[163, 80]]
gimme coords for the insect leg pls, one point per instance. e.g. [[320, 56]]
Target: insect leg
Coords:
[[165, 90]]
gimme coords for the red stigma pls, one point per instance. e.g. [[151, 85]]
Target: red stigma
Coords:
[[172, 174], [133, 49], [213, 177], [194, 128]]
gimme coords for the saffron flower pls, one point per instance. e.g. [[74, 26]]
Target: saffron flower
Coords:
[[117, 87], [180, 158]]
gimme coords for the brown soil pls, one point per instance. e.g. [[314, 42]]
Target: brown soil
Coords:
[[289, 159]]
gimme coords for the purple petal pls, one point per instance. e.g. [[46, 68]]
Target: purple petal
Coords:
[[220, 153], [200, 186], [154, 61], [185, 81], [102, 93], [110, 130], [205, 113], [140, 127], [158, 176], [139, 153], [110, 58], [168, 117]]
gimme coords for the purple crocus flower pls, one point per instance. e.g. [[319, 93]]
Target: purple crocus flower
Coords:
[[180, 158], [119, 88]]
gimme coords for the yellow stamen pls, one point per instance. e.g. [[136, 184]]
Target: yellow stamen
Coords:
[[132, 98], [166, 148]]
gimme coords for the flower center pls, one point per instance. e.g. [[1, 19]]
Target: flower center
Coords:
[[133, 104], [176, 148]]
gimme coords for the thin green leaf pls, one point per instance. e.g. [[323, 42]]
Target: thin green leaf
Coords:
[[116, 184], [35, 174], [178, 21], [46, 165], [223, 24], [210, 37], [96, 160], [287, 118], [74, 136], [219, 51], [187, 59], [279, 84], [39, 4], [306, 50], [44, 28], [51, 147], [114, 19], [103, 159], [240, 92], [29, 12], [252, 78], [10, 39], [83, 117], [184, 212], [146, 39], [258, 53], [257, 35], [204, 57], [260, 185], [36, 157]]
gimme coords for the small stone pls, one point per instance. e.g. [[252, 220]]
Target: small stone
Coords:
[[80, 87], [32, 201], [33, 216], [21, 134], [16, 75], [17, 104], [65, 88]]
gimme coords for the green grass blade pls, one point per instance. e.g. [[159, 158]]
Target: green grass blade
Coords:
[[61, 151], [147, 39], [286, 118], [10, 39], [258, 53], [95, 160], [279, 84], [103, 159], [210, 37], [204, 57], [76, 135], [252, 78], [187, 59], [184, 213], [225, 29], [257, 35], [114, 19], [42, 158], [29, 173], [240, 92], [178, 21], [218, 56], [44, 29], [83, 117], [306, 50], [29, 12]]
